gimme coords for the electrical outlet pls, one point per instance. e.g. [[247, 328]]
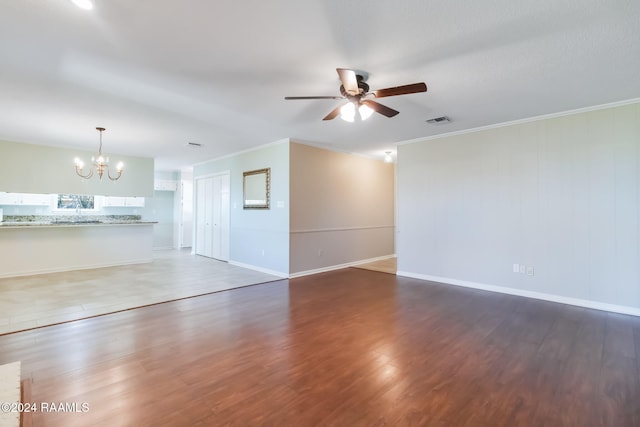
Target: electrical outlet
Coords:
[[529, 271], [320, 252], [523, 268], [263, 252], [516, 268]]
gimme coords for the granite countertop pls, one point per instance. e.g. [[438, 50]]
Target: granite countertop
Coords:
[[70, 220], [39, 224]]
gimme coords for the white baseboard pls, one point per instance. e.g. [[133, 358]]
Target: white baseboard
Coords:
[[260, 269], [529, 294], [339, 266], [73, 268]]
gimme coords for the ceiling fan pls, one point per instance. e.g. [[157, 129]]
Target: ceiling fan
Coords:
[[356, 91]]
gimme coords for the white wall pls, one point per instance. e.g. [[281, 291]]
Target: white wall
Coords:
[[160, 208], [561, 195], [258, 238]]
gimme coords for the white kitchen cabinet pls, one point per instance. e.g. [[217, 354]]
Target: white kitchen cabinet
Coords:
[[134, 201], [37, 199], [110, 201], [25, 199], [9, 199], [165, 185], [115, 201]]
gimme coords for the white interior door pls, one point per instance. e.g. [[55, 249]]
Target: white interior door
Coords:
[[221, 217], [212, 216], [186, 232]]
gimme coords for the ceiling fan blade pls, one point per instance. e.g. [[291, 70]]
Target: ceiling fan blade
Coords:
[[333, 114], [312, 97], [349, 81], [379, 108], [400, 90]]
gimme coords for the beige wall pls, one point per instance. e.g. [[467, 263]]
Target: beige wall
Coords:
[[342, 208]]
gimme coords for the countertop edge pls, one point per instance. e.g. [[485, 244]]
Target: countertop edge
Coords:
[[28, 225]]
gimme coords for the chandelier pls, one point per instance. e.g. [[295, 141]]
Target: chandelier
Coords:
[[101, 163]]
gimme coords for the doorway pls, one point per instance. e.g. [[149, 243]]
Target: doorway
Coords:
[[212, 216]]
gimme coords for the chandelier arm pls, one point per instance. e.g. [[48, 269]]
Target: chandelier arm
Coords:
[[112, 178], [87, 176]]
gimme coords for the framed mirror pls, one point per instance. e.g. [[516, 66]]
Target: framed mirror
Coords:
[[256, 189]]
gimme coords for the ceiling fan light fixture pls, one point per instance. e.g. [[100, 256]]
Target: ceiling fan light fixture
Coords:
[[355, 90], [348, 112], [83, 4], [365, 111]]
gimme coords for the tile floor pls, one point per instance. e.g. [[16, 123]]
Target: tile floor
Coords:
[[34, 301], [388, 265]]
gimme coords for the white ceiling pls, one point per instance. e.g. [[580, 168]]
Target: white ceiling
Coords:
[[158, 73]]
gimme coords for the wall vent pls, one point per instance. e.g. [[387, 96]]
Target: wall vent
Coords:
[[193, 144], [439, 120]]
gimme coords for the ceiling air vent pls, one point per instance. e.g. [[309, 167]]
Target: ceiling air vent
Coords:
[[193, 144], [439, 120]]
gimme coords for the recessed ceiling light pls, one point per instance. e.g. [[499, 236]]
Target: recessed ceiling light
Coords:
[[83, 4]]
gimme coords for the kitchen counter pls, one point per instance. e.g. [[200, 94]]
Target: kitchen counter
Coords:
[[47, 244], [69, 219], [34, 224]]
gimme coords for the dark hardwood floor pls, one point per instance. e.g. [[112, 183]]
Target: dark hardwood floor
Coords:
[[345, 348]]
